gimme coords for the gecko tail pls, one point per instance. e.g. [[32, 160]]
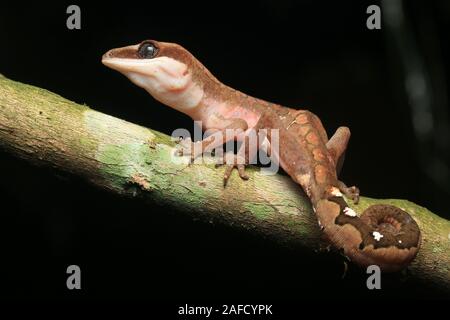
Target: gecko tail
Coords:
[[382, 235]]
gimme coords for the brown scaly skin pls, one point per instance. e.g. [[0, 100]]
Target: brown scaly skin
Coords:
[[383, 235], [313, 166]]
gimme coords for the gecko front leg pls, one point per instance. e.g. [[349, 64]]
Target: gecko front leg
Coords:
[[247, 151], [221, 131], [237, 161]]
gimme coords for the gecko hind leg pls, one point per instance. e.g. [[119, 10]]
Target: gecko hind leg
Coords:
[[350, 192], [337, 146]]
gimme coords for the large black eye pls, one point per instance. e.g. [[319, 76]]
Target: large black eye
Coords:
[[147, 50]]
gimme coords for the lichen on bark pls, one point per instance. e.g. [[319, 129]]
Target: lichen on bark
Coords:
[[46, 129]]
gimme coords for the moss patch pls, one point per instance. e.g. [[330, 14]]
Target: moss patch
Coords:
[[258, 210]]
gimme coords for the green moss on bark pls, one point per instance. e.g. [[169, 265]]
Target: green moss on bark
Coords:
[[130, 160]]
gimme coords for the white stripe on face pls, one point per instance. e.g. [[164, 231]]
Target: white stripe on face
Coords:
[[166, 79]]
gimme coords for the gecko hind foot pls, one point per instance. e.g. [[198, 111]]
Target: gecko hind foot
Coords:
[[231, 162], [350, 192]]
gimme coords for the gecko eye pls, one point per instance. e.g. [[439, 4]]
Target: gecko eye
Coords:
[[147, 50]]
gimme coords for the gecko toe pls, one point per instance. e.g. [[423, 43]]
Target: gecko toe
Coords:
[[350, 192], [231, 162], [353, 193], [226, 176], [241, 171]]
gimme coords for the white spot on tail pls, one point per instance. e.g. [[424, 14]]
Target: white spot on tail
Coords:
[[335, 192], [349, 212], [377, 236], [320, 224], [399, 241]]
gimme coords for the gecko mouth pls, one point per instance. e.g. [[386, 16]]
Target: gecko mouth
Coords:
[[130, 64], [108, 59], [125, 59]]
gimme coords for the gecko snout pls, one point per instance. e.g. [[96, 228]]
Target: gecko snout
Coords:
[[107, 55]]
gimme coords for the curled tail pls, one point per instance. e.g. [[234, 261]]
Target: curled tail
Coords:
[[383, 235]]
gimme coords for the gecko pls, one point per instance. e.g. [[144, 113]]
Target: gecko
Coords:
[[382, 235]]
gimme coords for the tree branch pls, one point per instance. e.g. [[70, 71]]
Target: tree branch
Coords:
[[130, 160]]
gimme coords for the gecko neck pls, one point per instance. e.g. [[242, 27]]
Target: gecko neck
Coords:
[[221, 99]]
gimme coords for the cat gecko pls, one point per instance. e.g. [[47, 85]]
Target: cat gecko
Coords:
[[382, 235]]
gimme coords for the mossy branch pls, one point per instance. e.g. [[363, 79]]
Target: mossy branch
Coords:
[[130, 160]]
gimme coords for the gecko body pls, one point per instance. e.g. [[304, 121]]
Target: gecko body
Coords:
[[383, 235]]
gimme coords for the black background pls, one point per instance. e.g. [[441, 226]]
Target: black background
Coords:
[[313, 54]]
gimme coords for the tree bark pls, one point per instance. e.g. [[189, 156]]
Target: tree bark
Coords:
[[127, 159]]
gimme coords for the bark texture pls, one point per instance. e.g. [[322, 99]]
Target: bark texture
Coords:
[[127, 159]]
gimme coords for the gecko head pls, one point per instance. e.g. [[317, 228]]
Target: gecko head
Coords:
[[165, 70]]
